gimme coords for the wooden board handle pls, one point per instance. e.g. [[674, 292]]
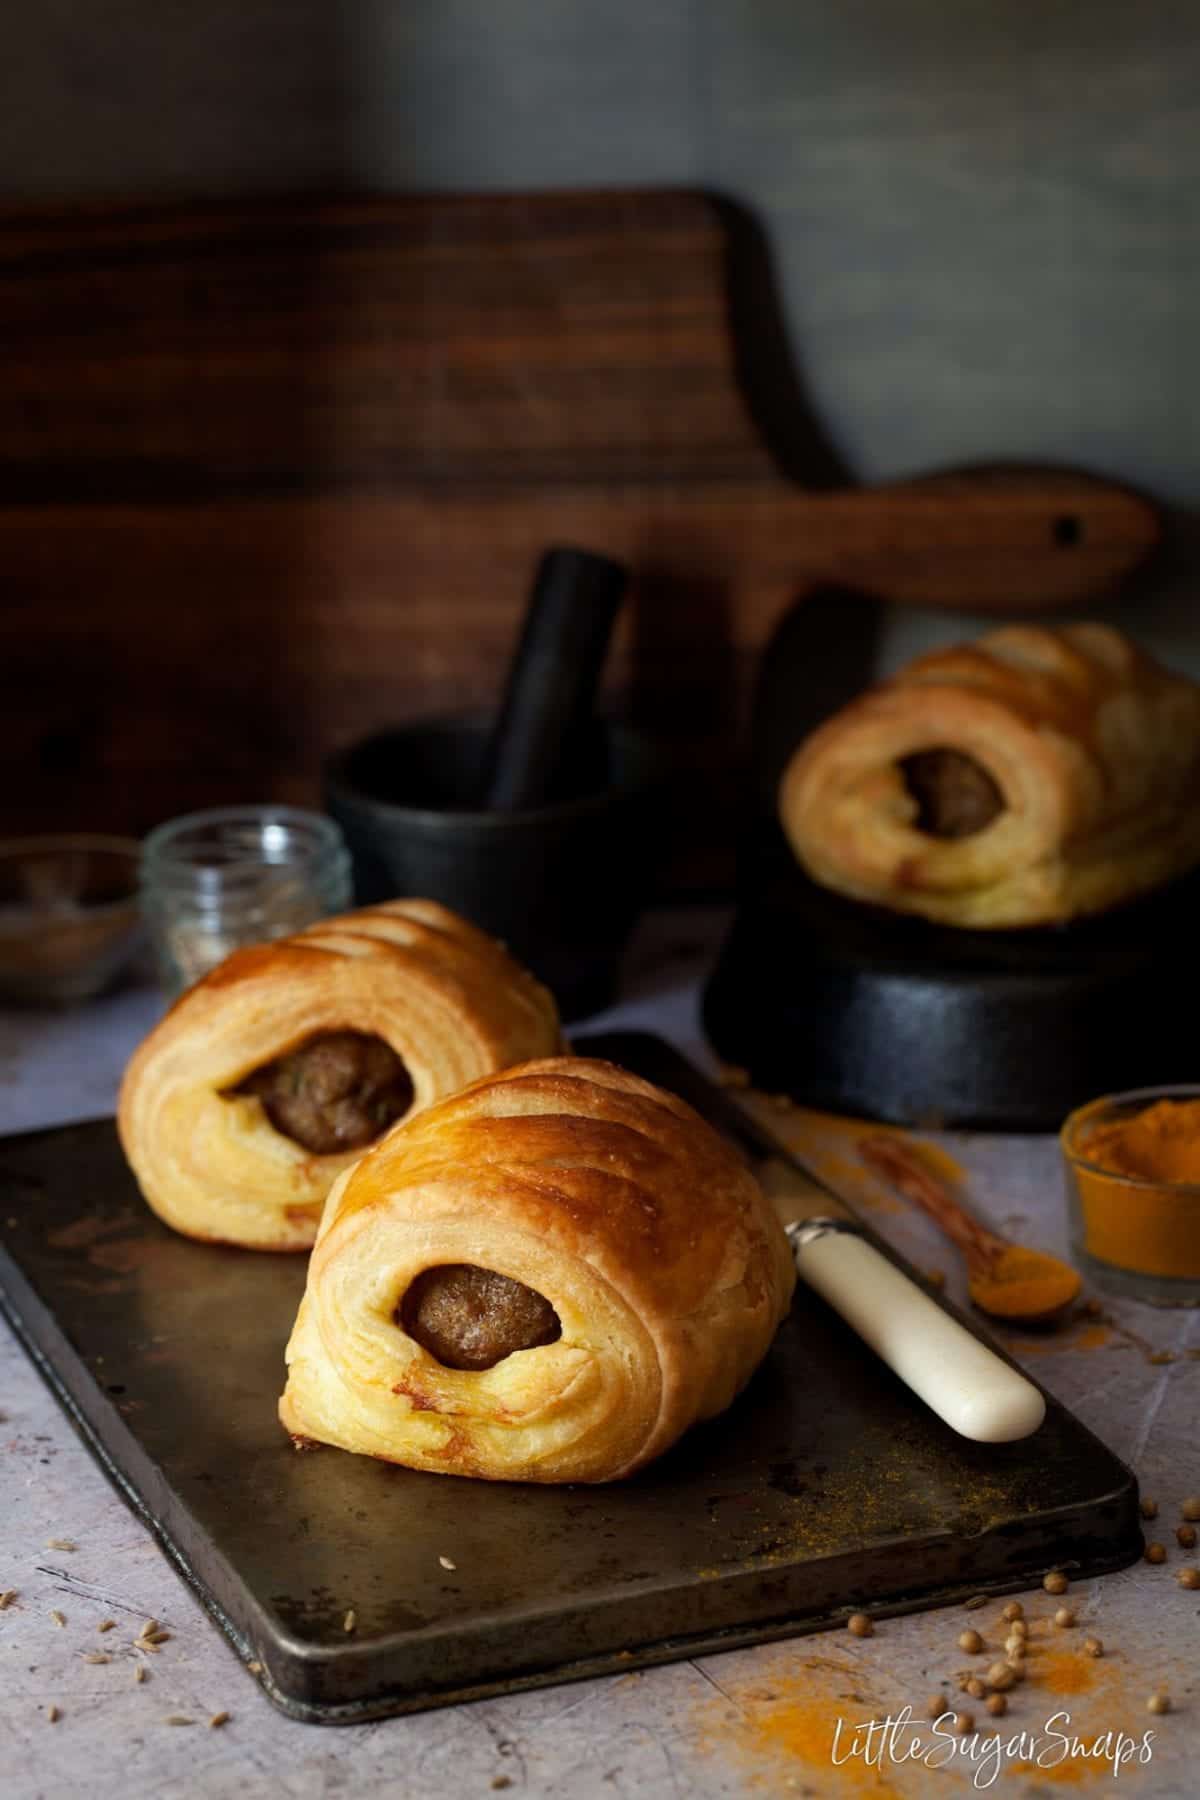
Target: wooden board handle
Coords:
[[1003, 542]]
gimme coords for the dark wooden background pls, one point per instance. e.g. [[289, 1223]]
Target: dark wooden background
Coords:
[[276, 473]]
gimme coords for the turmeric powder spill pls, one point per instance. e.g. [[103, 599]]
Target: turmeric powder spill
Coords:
[[1143, 1228]]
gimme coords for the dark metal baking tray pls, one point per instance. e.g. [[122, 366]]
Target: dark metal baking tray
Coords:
[[826, 1488]]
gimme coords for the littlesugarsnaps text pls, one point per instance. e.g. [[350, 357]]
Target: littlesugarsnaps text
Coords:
[[877, 1743]]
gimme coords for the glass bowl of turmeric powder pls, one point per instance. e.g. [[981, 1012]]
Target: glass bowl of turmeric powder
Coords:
[[1133, 1184]]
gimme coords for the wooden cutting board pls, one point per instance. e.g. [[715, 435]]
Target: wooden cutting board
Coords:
[[276, 473]]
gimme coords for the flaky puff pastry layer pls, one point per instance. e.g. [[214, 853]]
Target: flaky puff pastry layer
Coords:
[[1095, 749], [664, 1261], [447, 998]]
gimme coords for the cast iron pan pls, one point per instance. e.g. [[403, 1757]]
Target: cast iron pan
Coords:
[[859, 1010]]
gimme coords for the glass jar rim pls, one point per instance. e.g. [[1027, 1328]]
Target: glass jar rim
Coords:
[[305, 838], [1128, 1097]]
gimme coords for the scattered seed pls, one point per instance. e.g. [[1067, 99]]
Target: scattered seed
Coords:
[[1185, 1536], [106, 1625], [1149, 1508], [975, 1602], [53, 1715], [501, 1781], [1188, 1578], [1001, 1675], [1161, 1356], [1093, 1647], [1014, 1610], [964, 1722], [1156, 1553], [858, 1625], [1064, 1617], [58, 1617], [60, 1544], [935, 1706], [152, 1639], [255, 1668], [218, 1719], [1191, 1508], [96, 1656], [971, 1642], [997, 1704], [7, 1598], [974, 1687], [139, 1672], [1017, 1665], [1018, 1629], [446, 1563], [1015, 1646], [178, 1719], [350, 1621], [936, 1278], [1055, 1582], [149, 1626], [1159, 1703]]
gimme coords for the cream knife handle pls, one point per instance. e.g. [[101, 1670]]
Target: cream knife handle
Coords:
[[965, 1383]]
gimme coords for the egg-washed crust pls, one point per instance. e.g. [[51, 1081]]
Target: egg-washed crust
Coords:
[[664, 1261], [448, 1000], [1094, 747]]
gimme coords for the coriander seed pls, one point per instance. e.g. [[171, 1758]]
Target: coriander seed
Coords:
[[1156, 1553], [1093, 1646], [1149, 1508], [971, 1642], [1185, 1536], [975, 1688], [1055, 1582], [1014, 1610], [997, 1705], [1064, 1617], [964, 1722], [1159, 1703], [1189, 1577], [1191, 1508], [859, 1625]]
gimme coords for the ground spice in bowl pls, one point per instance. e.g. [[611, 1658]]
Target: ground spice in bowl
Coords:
[[1133, 1164]]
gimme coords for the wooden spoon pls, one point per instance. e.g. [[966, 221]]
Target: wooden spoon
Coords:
[[1006, 1280]]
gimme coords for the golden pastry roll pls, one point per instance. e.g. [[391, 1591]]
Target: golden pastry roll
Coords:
[[269, 1077], [547, 1278], [1027, 778]]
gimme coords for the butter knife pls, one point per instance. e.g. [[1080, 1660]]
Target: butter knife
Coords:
[[957, 1374]]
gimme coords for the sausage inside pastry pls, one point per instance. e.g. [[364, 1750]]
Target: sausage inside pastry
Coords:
[[271, 1075], [548, 1277], [1024, 779]]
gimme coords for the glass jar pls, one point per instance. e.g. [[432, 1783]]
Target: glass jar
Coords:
[[1134, 1235], [213, 881]]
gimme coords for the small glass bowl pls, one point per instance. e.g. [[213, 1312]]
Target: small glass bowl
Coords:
[[69, 921], [215, 881], [1158, 1260]]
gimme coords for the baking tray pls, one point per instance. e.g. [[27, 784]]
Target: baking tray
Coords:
[[826, 1488]]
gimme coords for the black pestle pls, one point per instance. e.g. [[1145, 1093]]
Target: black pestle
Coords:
[[551, 688]]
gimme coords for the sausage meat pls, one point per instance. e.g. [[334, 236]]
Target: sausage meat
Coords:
[[472, 1318], [955, 795], [338, 1091]]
